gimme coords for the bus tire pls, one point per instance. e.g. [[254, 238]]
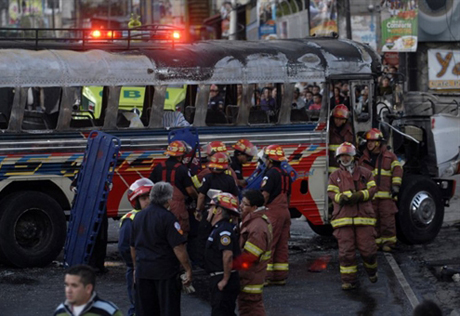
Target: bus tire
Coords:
[[32, 229], [421, 210], [322, 230]]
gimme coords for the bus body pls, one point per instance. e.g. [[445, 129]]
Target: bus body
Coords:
[[42, 142]]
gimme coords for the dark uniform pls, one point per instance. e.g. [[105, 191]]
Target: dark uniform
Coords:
[[155, 233], [126, 224], [222, 237], [175, 173], [217, 181], [277, 183], [238, 168]]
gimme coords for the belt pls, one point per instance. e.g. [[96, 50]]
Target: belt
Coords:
[[219, 273]]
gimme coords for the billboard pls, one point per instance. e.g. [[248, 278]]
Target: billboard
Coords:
[[323, 17], [399, 26], [267, 19], [364, 29], [443, 69]]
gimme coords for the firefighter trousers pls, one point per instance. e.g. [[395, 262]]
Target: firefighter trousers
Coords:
[[349, 239], [250, 304], [385, 210], [223, 303], [278, 266]]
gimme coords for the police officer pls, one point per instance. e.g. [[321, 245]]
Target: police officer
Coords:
[[157, 248], [138, 195], [351, 189], [340, 131], [173, 171], [388, 177], [256, 236], [221, 247], [244, 152], [276, 189]]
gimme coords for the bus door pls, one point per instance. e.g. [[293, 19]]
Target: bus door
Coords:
[[361, 96]]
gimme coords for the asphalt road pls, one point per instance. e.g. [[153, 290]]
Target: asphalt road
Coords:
[[37, 291]]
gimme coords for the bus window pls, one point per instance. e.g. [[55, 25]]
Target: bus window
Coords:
[[6, 101], [42, 108], [267, 108], [216, 106]]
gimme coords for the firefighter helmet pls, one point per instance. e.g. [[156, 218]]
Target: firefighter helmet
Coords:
[[340, 111], [246, 147], [345, 148], [227, 201], [178, 148], [215, 147], [374, 134], [274, 152], [218, 161], [137, 188]]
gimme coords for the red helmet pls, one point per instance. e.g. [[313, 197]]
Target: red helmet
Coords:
[[374, 134], [177, 148], [227, 201], [246, 147], [345, 148], [139, 187], [274, 152], [218, 161], [340, 111], [215, 147]]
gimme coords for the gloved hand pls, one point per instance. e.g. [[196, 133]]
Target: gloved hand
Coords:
[[394, 191], [356, 197], [343, 200]]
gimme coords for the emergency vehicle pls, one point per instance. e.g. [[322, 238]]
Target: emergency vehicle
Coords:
[[45, 125]]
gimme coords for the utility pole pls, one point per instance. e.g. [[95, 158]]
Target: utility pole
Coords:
[[233, 22], [348, 18]]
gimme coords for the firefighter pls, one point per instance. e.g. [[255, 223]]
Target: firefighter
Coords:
[[211, 149], [388, 178], [255, 241], [244, 152], [221, 247], [218, 179], [351, 189], [138, 195], [176, 173], [276, 189], [341, 131]]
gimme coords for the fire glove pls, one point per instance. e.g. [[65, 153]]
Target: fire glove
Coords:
[[394, 191], [356, 197], [343, 200]]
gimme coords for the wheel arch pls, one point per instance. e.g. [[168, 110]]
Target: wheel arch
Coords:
[[47, 187]]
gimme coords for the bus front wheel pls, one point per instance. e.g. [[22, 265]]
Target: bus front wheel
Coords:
[[421, 210], [32, 229]]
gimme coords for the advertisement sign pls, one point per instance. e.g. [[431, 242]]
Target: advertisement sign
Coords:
[[19, 9], [444, 69], [267, 17], [399, 26], [364, 30], [323, 17]]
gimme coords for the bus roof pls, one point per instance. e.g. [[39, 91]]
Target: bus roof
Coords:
[[218, 61]]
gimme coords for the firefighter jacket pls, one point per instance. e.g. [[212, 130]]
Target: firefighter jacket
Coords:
[[341, 182], [336, 137], [198, 179], [387, 171], [256, 242]]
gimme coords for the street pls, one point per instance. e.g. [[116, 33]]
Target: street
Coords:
[[406, 277]]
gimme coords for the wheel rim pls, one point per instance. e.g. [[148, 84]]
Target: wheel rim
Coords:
[[31, 229], [423, 209]]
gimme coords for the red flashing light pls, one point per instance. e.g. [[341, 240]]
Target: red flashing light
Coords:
[[245, 265], [96, 33], [176, 35]]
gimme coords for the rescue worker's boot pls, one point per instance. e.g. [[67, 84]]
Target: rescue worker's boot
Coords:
[[374, 278], [349, 286], [387, 248]]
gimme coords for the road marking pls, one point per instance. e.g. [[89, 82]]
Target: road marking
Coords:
[[402, 280]]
